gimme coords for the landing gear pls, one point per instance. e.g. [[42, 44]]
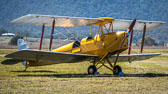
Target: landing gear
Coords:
[[25, 63], [92, 69], [117, 69], [25, 68]]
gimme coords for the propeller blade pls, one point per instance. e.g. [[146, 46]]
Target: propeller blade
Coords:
[[131, 26]]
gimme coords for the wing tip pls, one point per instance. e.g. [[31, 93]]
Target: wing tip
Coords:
[[10, 61]]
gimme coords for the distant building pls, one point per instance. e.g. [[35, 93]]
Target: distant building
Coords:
[[7, 34], [134, 44]]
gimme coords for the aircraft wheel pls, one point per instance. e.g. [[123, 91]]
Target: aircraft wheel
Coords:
[[117, 70], [92, 69]]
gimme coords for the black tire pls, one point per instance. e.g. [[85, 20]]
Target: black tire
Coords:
[[117, 70], [92, 69]]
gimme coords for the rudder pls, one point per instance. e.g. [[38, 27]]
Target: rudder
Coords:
[[21, 44]]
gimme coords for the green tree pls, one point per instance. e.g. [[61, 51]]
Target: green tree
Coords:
[[2, 30], [149, 41], [14, 39], [23, 33]]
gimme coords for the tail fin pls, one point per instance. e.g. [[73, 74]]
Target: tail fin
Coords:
[[21, 44]]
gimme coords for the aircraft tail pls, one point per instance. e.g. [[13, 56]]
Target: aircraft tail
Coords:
[[21, 44]]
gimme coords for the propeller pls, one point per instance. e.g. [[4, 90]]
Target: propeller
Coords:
[[130, 29]]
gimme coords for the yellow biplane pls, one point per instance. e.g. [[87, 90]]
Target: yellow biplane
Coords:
[[99, 50]]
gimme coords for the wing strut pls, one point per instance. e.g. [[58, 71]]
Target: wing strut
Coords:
[[130, 29], [41, 39], [91, 31], [130, 42], [52, 31], [143, 38]]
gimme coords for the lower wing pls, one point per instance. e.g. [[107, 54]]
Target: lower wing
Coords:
[[10, 61], [133, 57], [46, 56], [60, 57]]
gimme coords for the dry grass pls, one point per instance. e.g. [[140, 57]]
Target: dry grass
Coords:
[[148, 76]]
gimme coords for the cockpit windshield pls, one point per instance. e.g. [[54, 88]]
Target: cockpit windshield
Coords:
[[76, 44]]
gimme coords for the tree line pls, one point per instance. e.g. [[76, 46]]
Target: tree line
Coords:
[[149, 41]]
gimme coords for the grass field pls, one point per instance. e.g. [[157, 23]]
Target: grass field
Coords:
[[148, 76]]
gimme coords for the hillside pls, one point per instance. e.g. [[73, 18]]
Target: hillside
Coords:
[[155, 10]]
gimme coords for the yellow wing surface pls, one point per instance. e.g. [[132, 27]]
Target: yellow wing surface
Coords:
[[65, 21]]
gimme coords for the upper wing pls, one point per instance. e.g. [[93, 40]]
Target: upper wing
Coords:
[[65, 21], [139, 25], [61, 21], [133, 57], [48, 56]]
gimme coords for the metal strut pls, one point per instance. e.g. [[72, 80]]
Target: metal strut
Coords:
[[51, 38], [26, 67], [41, 39], [102, 64], [91, 31], [130, 43], [143, 38]]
